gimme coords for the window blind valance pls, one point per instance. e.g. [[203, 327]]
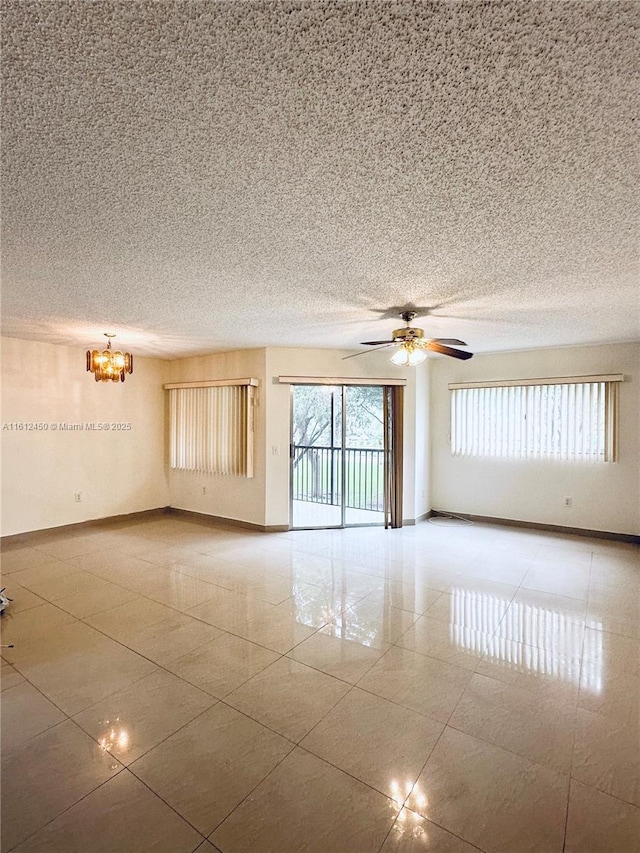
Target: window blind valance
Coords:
[[337, 380], [211, 383], [558, 380]]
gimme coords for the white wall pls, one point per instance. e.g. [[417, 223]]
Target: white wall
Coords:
[[606, 496], [238, 498], [117, 472], [317, 362]]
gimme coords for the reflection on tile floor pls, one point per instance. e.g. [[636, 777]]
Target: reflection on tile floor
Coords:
[[177, 687]]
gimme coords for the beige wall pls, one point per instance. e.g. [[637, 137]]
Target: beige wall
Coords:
[[264, 500], [116, 472], [128, 471], [605, 496], [238, 498], [119, 472]]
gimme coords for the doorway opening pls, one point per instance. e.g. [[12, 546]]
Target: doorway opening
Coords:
[[339, 477]]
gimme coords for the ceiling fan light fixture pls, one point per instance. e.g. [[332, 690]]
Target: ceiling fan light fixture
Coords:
[[409, 355], [400, 357], [416, 357], [412, 344], [109, 364]]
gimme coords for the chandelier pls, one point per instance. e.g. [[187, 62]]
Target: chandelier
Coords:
[[109, 364]]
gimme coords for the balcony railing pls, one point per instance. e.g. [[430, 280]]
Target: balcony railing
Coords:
[[317, 476]]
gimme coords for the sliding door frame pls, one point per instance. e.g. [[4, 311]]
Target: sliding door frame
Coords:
[[393, 416]]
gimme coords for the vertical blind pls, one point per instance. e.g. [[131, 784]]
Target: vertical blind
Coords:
[[212, 429], [566, 421]]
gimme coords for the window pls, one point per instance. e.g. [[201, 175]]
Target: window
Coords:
[[568, 419], [212, 427]]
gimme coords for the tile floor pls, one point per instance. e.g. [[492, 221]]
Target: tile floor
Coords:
[[178, 687]]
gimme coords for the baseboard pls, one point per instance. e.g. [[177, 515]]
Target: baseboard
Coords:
[[220, 520], [631, 538], [410, 522], [31, 537]]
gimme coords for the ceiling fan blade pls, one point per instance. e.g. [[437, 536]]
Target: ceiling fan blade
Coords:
[[454, 342], [365, 351], [374, 343], [455, 353]]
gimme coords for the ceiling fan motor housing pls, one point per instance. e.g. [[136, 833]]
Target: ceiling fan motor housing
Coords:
[[407, 334]]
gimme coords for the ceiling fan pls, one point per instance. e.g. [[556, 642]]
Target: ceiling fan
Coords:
[[412, 344]]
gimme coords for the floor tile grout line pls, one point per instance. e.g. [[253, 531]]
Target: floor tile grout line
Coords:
[[444, 728], [429, 820], [196, 618], [447, 724], [48, 729], [633, 805], [526, 758], [173, 809], [347, 773], [83, 619], [265, 725], [115, 758], [333, 707], [216, 586], [324, 671], [218, 700], [566, 819], [296, 746], [249, 793], [160, 742], [68, 808], [408, 796], [135, 680], [163, 668], [575, 729], [321, 670], [237, 687], [399, 704]]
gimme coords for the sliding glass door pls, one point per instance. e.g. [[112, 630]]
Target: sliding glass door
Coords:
[[337, 456], [363, 455], [316, 456]]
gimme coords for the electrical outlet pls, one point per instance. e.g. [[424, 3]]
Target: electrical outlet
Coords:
[[77, 496], [275, 449], [204, 490], [568, 502]]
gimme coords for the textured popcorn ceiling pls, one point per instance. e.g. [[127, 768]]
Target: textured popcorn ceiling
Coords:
[[200, 175]]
